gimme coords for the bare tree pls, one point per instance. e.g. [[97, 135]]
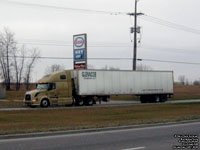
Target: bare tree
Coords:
[[89, 66], [3, 65], [110, 68], [182, 79], [54, 68], [106, 67], [34, 56], [142, 67], [196, 82], [7, 45], [18, 64], [11, 65], [114, 68]]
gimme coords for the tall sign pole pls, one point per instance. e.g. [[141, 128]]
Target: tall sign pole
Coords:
[[135, 38]]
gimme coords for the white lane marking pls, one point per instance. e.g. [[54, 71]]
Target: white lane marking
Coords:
[[136, 148]]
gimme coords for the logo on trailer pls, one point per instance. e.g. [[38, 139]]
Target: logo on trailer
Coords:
[[79, 42], [89, 75]]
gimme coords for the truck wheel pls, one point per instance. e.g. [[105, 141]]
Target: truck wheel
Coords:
[[163, 98], [89, 101], [79, 102], [44, 103], [73, 101]]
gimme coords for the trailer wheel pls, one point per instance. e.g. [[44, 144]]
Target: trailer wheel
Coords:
[[44, 103], [143, 99], [157, 98], [163, 98]]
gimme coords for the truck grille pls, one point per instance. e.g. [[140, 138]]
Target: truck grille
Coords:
[[28, 97]]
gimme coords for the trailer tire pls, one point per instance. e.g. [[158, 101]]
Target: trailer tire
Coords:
[[143, 99], [157, 99], [44, 103], [163, 98]]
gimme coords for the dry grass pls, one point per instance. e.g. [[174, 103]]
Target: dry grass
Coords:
[[186, 92], [69, 119], [15, 95], [11, 103], [181, 92]]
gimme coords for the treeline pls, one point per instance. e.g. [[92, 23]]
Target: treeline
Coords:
[[184, 81], [14, 67]]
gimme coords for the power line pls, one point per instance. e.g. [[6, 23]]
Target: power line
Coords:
[[158, 49], [59, 41], [70, 58], [70, 45], [66, 8], [170, 24], [143, 16], [168, 61], [123, 45], [111, 58], [170, 50], [93, 44]]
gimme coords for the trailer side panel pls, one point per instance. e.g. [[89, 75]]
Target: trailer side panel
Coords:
[[97, 82]]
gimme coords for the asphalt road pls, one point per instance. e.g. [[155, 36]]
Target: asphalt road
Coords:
[[105, 104], [146, 138]]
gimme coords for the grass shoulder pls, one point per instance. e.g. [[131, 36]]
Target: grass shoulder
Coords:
[[43, 120]]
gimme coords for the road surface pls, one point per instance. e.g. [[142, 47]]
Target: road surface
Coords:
[[104, 104], [146, 138]]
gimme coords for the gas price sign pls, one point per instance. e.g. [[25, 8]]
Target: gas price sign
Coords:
[[80, 51]]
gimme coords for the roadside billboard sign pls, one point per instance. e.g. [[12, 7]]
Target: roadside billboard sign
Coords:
[[80, 51]]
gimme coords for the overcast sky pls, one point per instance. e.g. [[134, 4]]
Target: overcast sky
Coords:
[[51, 30]]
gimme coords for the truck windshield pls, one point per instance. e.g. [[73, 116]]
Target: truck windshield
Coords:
[[42, 86]]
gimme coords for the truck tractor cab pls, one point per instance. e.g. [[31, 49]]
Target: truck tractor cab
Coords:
[[52, 89]]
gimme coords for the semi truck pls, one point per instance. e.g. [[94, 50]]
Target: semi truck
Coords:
[[85, 87]]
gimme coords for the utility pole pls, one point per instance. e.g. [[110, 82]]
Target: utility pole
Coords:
[[135, 31], [135, 38]]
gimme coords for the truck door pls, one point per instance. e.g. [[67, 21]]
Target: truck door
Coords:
[[53, 95], [63, 90]]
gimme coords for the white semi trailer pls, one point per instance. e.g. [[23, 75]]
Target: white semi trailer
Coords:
[[84, 86]]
